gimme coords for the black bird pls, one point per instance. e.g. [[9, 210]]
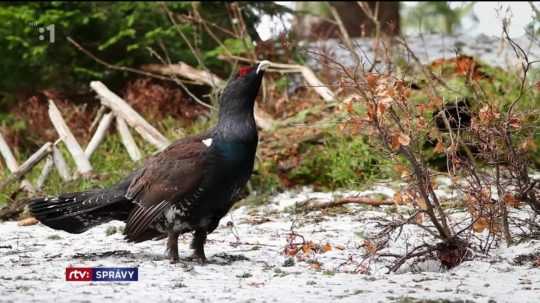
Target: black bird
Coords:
[[458, 115], [188, 187]]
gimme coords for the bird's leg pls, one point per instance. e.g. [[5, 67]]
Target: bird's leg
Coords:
[[172, 247], [199, 238]]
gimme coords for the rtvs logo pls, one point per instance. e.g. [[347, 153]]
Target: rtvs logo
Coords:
[[103, 274], [78, 274]]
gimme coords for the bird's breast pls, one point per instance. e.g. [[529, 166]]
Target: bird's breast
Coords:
[[236, 156]]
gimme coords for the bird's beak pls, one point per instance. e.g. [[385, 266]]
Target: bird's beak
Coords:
[[263, 65]]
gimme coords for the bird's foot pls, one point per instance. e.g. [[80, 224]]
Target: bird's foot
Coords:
[[186, 265], [172, 247], [174, 259], [201, 259], [172, 254]]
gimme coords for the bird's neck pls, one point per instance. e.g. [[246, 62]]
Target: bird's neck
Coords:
[[237, 126]]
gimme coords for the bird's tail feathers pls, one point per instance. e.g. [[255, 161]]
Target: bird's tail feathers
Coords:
[[78, 212]]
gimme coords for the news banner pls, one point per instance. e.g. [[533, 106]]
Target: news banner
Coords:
[[102, 274]]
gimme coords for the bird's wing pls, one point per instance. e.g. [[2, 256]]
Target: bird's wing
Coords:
[[163, 180]]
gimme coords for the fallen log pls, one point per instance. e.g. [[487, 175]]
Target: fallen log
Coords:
[[122, 109], [60, 163], [12, 164], [262, 119], [100, 113], [186, 71], [320, 88], [27, 165], [127, 139], [83, 165], [8, 155], [99, 135], [45, 171]]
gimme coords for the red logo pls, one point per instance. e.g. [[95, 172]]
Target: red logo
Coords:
[[78, 274]]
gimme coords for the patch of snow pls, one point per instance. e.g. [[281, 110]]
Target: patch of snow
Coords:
[[248, 264]]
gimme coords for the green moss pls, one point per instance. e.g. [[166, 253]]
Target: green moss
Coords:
[[340, 162]]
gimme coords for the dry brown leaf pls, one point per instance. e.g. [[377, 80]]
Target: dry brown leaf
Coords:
[[399, 139], [480, 225], [407, 197], [291, 250], [394, 142], [315, 265], [421, 108], [464, 65], [488, 114], [350, 108], [371, 248], [28, 221], [398, 198], [511, 200], [514, 122], [529, 145], [404, 139], [402, 170], [485, 194], [371, 112], [439, 147], [327, 247], [419, 218], [307, 247], [371, 80], [390, 92], [435, 102], [422, 204], [421, 123], [386, 101]]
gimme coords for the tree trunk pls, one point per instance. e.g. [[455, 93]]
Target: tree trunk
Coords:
[[355, 20]]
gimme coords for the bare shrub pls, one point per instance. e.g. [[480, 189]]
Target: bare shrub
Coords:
[[487, 146]]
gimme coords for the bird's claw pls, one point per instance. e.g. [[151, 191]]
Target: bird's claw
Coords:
[[197, 258]]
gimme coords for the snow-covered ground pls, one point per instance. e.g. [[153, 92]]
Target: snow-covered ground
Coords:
[[490, 49], [248, 264]]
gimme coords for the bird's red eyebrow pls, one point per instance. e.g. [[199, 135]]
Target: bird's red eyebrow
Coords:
[[244, 70]]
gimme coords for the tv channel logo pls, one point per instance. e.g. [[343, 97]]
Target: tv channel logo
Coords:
[[102, 274]]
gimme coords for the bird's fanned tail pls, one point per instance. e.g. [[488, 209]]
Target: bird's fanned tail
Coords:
[[78, 212]]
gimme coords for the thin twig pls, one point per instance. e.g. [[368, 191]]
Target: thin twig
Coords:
[[136, 71]]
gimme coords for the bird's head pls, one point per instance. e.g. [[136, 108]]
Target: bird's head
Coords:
[[240, 93]]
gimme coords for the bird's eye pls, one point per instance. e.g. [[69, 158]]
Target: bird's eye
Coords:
[[244, 71]]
